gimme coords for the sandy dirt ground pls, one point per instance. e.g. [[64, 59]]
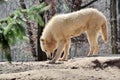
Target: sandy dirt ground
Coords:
[[87, 68]]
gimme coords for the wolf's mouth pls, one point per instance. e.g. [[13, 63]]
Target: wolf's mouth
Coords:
[[50, 57]]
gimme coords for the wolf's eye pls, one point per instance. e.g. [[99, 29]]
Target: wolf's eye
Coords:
[[45, 50]]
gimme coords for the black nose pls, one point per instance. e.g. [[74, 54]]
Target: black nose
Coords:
[[51, 55]]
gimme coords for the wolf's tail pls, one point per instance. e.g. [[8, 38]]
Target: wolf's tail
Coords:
[[104, 32]]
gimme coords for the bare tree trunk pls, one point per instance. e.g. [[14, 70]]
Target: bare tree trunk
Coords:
[[86, 5], [41, 55], [30, 33], [113, 16], [118, 26]]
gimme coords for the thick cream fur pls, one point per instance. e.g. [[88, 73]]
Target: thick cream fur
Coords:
[[61, 28]]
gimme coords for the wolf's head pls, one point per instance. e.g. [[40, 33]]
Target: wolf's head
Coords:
[[48, 47]]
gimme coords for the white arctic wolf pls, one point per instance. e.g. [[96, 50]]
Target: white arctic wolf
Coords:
[[61, 28]]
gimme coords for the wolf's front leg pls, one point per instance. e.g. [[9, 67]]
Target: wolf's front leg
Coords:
[[60, 48], [66, 51]]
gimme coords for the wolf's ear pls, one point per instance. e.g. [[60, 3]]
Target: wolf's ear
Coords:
[[42, 40]]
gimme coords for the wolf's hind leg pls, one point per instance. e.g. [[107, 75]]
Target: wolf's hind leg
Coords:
[[92, 38]]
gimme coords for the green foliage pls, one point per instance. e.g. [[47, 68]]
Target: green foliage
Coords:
[[2, 1], [35, 11], [12, 28]]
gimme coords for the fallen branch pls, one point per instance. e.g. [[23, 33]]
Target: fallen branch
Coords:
[[111, 63]]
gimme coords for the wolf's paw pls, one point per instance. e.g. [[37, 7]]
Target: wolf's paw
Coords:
[[95, 55], [92, 55], [51, 62], [61, 59], [89, 55]]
